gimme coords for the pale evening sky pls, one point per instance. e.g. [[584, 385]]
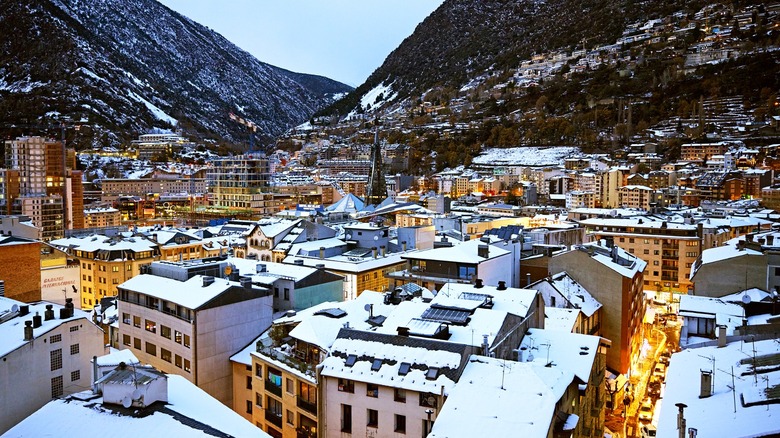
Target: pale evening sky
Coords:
[[345, 40]]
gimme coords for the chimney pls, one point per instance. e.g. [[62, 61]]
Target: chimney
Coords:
[[478, 283], [749, 237], [322, 252], [528, 279], [403, 331], [373, 251], [485, 239], [770, 239], [521, 354], [403, 246], [740, 245], [483, 250], [48, 314], [246, 282], [614, 254], [320, 266], [761, 241], [28, 330], [207, 280], [382, 250], [706, 384], [94, 375], [24, 310], [501, 285], [234, 275], [298, 262], [609, 241], [485, 345], [721, 336], [261, 267], [37, 320], [64, 313], [154, 237]]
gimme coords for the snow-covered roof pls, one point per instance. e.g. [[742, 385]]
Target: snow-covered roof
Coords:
[[556, 318], [189, 412], [725, 252], [571, 351], [97, 242], [420, 354], [12, 327], [463, 252], [486, 399], [272, 270], [627, 264], [190, 294], [346, 264], [318, 328], [573, 293], [702, 307], [720, 414]]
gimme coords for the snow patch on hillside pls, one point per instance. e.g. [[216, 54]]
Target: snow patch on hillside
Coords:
[[527, 156], [156, 112]]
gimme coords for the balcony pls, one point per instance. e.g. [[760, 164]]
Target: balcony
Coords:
[[273, 418], [307, 405], [673, 278], [289, 359], [273, 389], [674, 255]]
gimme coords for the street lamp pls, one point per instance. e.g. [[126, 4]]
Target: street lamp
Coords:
[[428, 424]]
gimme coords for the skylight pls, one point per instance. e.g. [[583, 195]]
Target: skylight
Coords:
[[351, 359], [404, 368], [376, 365]]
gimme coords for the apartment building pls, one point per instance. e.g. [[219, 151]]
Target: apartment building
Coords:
[[614, 278], [105, 262], [386, 385], [240, 184], [102, 218], [46, 350], [670, 248], [192, 327], [280, 395]]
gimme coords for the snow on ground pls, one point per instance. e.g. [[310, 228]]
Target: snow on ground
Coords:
[[156, 112], [91, 74], [370, 97], [527, 156]]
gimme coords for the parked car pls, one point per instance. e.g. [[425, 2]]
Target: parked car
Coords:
[[660, 371], [648, 431], [654, 387], [646, 410]]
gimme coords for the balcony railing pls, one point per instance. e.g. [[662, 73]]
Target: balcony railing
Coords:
[[273, 418], [307, 406], [288, 359], [273, 388]]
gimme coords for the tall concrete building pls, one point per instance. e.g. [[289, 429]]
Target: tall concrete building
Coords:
[[241, 185], [45, 190]]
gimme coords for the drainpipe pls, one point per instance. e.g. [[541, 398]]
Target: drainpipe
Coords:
[[321, 423]]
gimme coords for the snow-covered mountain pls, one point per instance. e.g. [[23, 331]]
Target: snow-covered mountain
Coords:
[[124, 66]]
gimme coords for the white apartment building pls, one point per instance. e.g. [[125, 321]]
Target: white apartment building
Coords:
[[46, 351], [191, 328]]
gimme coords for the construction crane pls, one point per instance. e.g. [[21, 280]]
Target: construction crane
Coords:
[[251, 126]]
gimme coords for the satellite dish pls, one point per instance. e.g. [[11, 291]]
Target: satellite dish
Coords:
[[137, 393], [228, 270], [15, 308], [367, 307], [376, 237], [349, 237], [746, 299], [431, 400], [127, 401]]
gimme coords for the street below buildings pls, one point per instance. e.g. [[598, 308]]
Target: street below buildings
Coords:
[[662, 337]]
